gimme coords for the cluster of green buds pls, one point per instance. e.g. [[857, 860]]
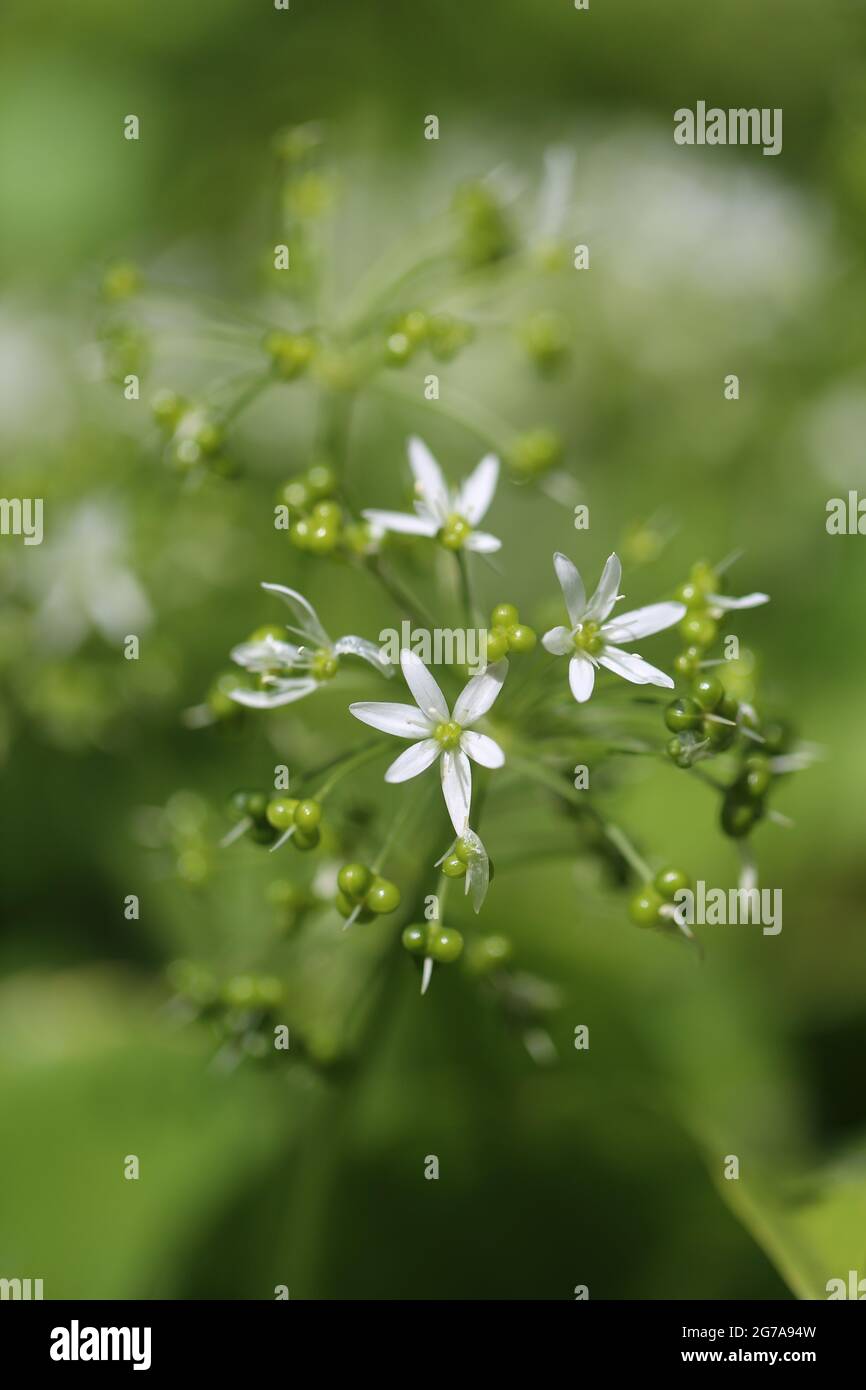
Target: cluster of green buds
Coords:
[[242, 1011], [433, 941], [290, 353], [443, 335], [124, 345], [534, 453], [745, 800], [363, 894], [705, 722], [699, 628], [455, 864], [652, 904], [507, 633], [195, 438], [302, 817], [318, 522]]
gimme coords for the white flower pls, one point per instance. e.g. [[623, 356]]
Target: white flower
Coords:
[[318, 657], [440, 733], [592, 641], [439, 511]]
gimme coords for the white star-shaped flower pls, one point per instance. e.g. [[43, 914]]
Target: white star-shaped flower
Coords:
[[591, 640], [440, 733], [318, 657], [450, 515]]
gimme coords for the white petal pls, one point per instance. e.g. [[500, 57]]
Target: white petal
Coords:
[[606, 594], [413, 760], [581, 677], [405, 721], [430, 486], [429, 697], [482, 542], [306, 617], [476, 494], [633, 668], [280, 693], [572, 587], [359, 646], [724, 602], [478, 695], [558, 641], [403, 522], [477, 877], [482, 749], [643, 622], [265, 655], [456, 786]]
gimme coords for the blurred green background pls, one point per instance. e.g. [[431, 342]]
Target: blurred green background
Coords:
[[604, 1169]]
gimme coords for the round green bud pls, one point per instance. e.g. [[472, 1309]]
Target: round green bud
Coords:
[[455, 532], [708, 691], [295, 494], [209, 437], [521, 638], [306, 839], [688, 663], [690, 595], [261, 833], [321, 481], [681, 749], [728, 707], [345, 905], [738, 815], [300, 532], [272, 630], [325, 666], [777, 736], [463, 849], [645, 905], [453, 866], [668, 882], [699, 629], [719, 735], [167, 409], [398, 349], [281, 812], [328, 513], [704, 578], [445, 945], [354, 880], [683, 714], [489, 953], [535, 453], [322, 537], [416, 325], [497, 644], [382, 895], [247, 803], [504, 615], [308, 815], [414, 938]]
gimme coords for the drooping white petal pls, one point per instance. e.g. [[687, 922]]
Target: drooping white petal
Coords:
[[482, 542], [423, 686], [368, 651], [430, 485], [402, 521], [306, 617], [482, 749], [725, 602], [265, 655], [558, 641], [456, 786], [281, 692], [572, 587], [633, 668], [404, 721], [477, 877], [643, 622], [478, 695], [413, 760], [581, 677], [606, 594], [476, 492]]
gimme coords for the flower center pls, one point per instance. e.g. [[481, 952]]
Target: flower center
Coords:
[[455, 532], [324, 665], [447, 735], [587, 638]]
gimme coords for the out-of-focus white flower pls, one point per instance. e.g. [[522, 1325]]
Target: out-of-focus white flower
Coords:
[[317, 656], [592, 641], [450, 515], [439, 733]]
